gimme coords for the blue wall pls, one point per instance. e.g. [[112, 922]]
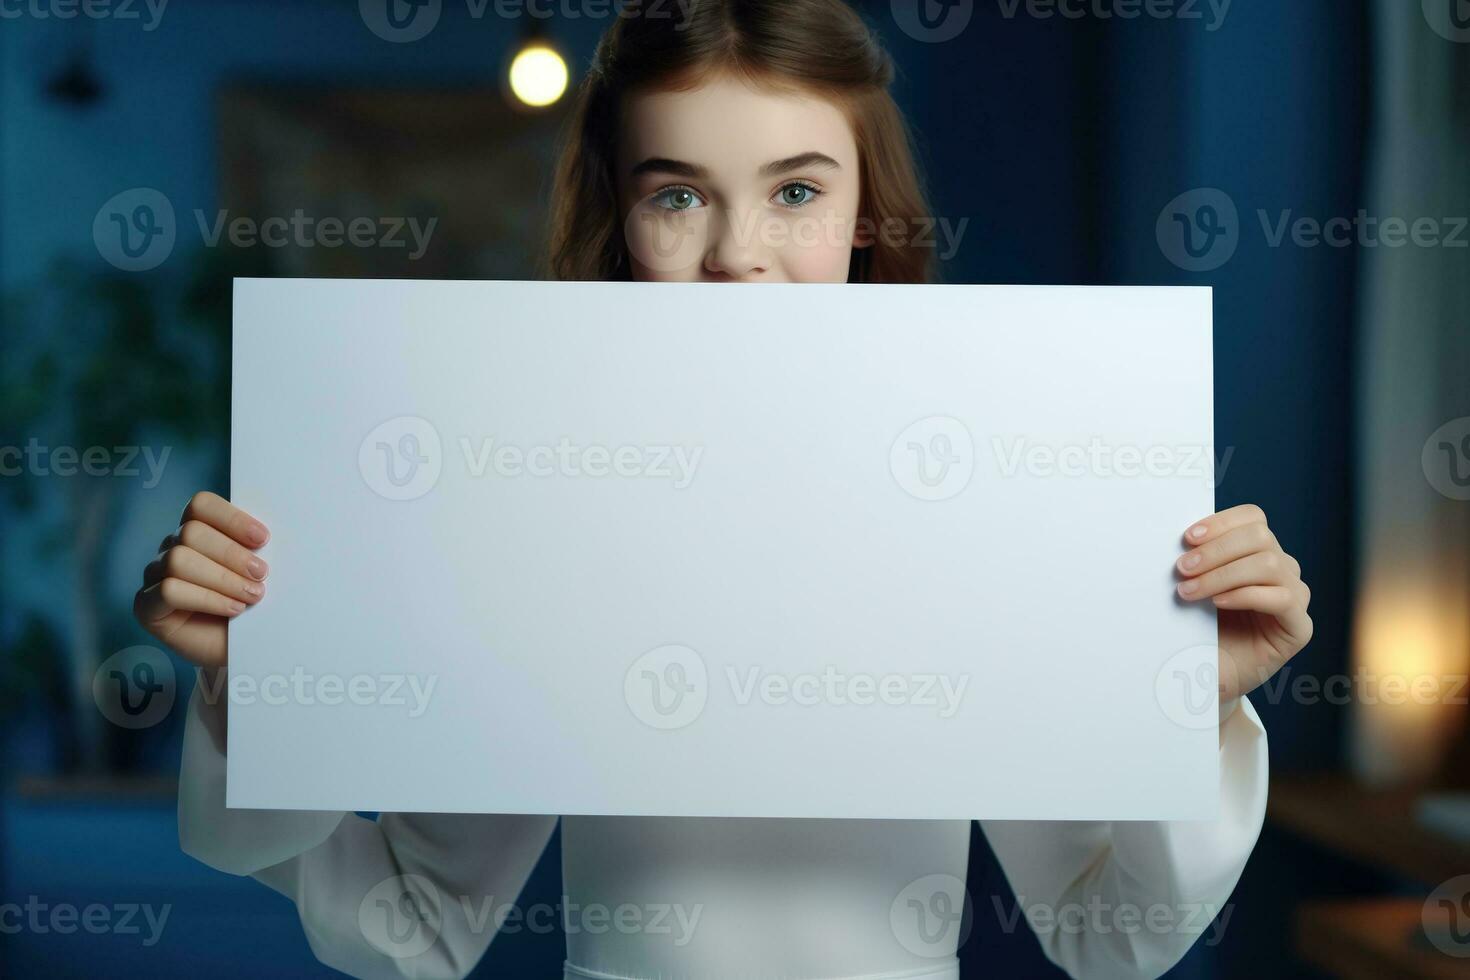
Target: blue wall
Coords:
[[1059, 141], [156, 125]]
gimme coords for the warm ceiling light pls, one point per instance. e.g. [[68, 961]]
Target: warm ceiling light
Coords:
[[538, 76]]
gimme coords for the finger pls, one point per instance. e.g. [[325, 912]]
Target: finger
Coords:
[[219, 513], [150, 607], [176, 595], [190, 566], [1228, 547], [200, 638], [1226, 520], [1261, 568], [218, 547], [1273, 600]]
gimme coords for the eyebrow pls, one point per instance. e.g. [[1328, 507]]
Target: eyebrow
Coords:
[[693, 171], [802, 161], [663, 165]]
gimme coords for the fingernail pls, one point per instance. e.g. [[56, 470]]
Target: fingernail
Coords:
[[236, 606], [1188, 588], [256, 567], [257, 533], [1198, 531], [252, 589], [1189, 561]]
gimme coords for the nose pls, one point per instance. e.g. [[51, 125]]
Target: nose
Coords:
[[736, 249]]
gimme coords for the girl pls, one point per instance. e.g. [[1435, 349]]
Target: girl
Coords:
[[753, 141]]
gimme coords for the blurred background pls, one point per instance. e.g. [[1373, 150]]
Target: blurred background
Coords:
[[1309, 159]]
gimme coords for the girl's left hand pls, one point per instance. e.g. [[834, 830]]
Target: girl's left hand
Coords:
[[1235, 561]]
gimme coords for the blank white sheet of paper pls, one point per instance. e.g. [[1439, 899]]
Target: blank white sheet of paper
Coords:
[[857, 551]]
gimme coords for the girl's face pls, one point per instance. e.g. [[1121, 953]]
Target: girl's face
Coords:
[[732, 183]]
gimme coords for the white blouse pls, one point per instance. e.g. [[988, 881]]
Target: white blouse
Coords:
[[420, 895]]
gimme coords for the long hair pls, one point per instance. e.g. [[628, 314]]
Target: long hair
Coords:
[[817, 46]]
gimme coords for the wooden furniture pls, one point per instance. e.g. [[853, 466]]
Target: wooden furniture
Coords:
[[1377, 828], [1374, 938]]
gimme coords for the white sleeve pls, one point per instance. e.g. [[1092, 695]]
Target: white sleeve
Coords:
[[407, 895], [1128, 899]]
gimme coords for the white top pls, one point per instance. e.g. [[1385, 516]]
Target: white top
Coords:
[[419, 895]]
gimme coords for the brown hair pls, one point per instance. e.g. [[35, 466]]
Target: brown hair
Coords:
[[821, 46]]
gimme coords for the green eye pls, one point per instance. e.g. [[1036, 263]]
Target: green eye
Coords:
[[795, 195], [677, 199]]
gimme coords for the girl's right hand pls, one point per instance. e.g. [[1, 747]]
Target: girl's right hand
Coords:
[[206, 573]]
